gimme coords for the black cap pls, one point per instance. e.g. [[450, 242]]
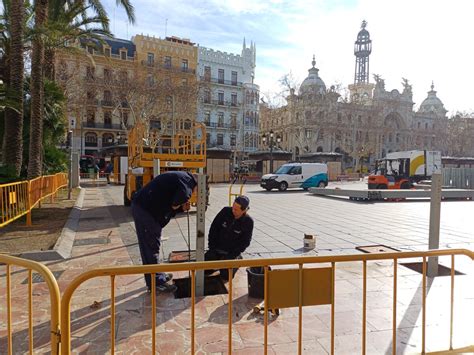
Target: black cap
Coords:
[[243, 201]]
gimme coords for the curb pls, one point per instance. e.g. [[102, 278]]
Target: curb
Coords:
[[63, 247]]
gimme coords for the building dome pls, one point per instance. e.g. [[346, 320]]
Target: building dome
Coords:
[[432, 103], [313, 84]]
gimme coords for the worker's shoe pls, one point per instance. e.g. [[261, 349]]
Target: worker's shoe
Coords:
[[165, 287]]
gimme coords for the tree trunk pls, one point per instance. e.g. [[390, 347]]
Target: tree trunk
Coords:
[[37, 92], [49, 72], [13, 135]]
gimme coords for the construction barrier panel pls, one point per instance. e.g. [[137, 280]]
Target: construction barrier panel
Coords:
[[19, 198], [309, 281], [13, 314]]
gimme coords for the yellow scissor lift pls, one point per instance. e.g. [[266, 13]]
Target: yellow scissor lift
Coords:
[[181, 145], [233, 194]]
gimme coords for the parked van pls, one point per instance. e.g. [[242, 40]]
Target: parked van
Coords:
[[302, 175]]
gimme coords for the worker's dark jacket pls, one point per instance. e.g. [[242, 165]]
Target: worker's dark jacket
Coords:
[[229, 234], [157, 197]]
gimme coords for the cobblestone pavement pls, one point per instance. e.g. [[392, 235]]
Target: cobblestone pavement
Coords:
[[105, 236]]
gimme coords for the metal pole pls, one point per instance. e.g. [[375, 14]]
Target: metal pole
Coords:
[[435, 213], [200, 231], [271, 155], [69, 182]]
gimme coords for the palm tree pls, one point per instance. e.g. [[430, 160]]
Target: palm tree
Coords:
[[58, 9], [37, 93], [12, 42]]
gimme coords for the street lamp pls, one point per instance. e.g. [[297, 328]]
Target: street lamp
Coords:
[[69, 189], [272, 141]]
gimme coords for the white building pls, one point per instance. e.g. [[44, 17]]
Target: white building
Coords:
[[229, 101]]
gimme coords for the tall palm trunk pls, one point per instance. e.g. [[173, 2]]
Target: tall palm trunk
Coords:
[[37, 91], [13, 141]]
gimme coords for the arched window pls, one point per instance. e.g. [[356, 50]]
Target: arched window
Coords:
[[319, 149], [107, 139], [90, 139]]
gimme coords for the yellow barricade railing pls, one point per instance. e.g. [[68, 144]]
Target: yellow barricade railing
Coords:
[[310, 288], [19, 198], [54, 294]]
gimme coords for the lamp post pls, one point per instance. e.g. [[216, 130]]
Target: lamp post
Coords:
[[69, 183], [272, 141]]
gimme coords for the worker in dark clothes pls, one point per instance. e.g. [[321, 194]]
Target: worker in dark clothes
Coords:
[[230, 234], [152, 208]]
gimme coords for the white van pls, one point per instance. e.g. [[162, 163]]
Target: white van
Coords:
[[302, 175]]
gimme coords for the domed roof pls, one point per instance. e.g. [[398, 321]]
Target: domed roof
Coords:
[[432, 103], [313, 83]]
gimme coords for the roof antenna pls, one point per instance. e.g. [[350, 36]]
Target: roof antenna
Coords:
[[166, 27]]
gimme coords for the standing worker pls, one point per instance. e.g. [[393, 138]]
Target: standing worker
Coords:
[[230, 234], [152, 208]]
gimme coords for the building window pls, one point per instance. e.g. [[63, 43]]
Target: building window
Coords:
[[220, 98], [220, 76], [426, 125], [233, 99], [123, 76], [150, 59], [107, 52], [232, 140], [220, 119], [90, 118], [208, 138], [125, 118], [234, 78], [167, 62], [308, 133], [91, 139], [107, 139], [233, 121], [207, 118], [107, 75], [123, 55], [150, 80], [90, 73], [108, 119], [207, 73], [207, 96], [107, 98], [184, 65], [220, 139], [169, 101]]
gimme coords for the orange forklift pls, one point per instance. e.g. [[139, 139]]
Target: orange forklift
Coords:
[[399, 170]]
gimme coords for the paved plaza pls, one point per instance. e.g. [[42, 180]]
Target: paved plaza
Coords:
[[281, 220]]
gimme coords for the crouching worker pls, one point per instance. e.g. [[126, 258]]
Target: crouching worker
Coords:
[[152, 208], [230, 234]]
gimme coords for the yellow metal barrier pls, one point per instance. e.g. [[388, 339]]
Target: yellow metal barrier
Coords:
[[19, 198], [53, 288], [273, 297]]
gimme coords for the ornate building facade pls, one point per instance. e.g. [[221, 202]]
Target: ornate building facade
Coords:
[[371, 123], [229, 99]]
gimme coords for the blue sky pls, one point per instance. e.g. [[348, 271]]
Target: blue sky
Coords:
[[420, 40]]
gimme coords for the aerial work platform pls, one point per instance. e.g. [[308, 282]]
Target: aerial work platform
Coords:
[[380, 195]]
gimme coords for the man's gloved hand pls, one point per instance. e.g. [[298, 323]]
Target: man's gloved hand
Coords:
[[186, 206]]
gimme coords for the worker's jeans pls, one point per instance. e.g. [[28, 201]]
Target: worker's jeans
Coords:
[[212, 255], [149, 240]]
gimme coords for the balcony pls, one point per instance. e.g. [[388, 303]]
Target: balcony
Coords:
[[107, 103], [171, 68], [230, 104], [102, 125], [222, 125], [220, 81]]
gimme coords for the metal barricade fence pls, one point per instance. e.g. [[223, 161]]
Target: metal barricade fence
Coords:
[[14, 201], [29, 266], [282, 288], [19, 198]]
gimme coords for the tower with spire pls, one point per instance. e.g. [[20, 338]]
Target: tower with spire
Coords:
[[361, 90]]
